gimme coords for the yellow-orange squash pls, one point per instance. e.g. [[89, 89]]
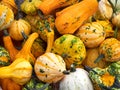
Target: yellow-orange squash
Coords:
[[92, 34], [49, 67], [71, 18], [47, 6], [19, 71], [110, 48], [71, 48], [16, 27], [91, 56], [6, 17]]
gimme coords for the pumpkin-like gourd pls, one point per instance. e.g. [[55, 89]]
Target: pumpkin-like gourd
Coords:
[[108, 27], [16, 27], [110, 49], [107, 78], [49, 67], [104, 11], [4, 57], [91, 56], [71, 48], [76, 80], [71, 18], [30, 6], [92, 34], [6, 17], [19, 71], [11, 4]]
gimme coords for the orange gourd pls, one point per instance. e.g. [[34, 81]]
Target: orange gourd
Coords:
[[25, 52], [8, 84], [9, 45], [71, 18], [47, 6]]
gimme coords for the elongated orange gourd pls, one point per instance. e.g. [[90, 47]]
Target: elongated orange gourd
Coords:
[[71, 18], [47, 6]]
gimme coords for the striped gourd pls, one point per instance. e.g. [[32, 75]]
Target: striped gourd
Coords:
[[50, 67], [6, 17], [92, 34]]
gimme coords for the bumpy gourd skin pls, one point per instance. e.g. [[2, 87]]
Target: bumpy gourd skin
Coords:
[[4, 57], [108, 78], [110, 48], [71, 48]]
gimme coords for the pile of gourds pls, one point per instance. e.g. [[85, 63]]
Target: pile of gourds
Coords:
[[60, 44]]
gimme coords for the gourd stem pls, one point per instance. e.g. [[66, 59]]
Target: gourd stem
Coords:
[[115, 32], [100, 57], [87, 68], [45, 86], [24, 35], [66, 72], [72, 68], [30, 0], [113, 7], [5, 32]]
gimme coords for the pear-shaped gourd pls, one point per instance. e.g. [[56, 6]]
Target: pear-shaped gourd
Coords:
[[19, 71]]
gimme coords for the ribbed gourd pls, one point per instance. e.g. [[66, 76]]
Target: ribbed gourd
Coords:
[[50, 67], [4, 57], [71, 48], [92, 34], [6, 17]]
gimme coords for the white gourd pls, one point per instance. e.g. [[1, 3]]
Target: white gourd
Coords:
[[78, 80]]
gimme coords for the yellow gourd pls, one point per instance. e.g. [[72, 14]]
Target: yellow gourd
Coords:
[[19, 71]]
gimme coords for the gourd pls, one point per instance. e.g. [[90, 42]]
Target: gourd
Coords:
[[30, 6], [19, 71], [4, 57], [25, 52], [6, 17], [8, 44], [91, 56], [35, 83], [104, 12], [109, 49], [108, 27], [11, 4], [48, 6], [71, 18], [38, 47], [107, 78], [78, 79], [44, 25], [92, 34], [50, 67], [71, 48], [16, 27], [8, 84]]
